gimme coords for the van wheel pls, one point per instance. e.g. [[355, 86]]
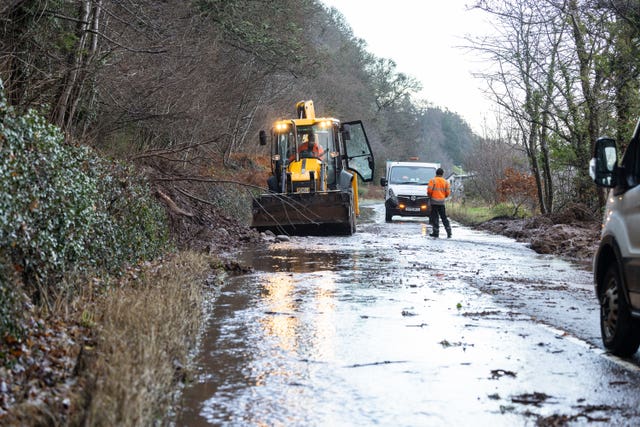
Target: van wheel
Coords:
[[387, 215], [620, 332]]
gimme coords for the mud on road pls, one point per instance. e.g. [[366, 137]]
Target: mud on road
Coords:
[[572, 235]]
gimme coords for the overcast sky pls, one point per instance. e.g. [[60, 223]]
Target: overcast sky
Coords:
[[423, 38]]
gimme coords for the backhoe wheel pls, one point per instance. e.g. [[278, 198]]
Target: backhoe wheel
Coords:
[[349, 228], [352, 219], [620, 331], [352, 222], [387, 215]]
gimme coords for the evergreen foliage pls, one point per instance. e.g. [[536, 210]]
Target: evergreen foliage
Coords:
[[64, 210]]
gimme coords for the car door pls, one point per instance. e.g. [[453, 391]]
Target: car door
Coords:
[[629, 205]]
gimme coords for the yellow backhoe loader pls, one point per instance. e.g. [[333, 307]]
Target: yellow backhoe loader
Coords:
[[313, 188]]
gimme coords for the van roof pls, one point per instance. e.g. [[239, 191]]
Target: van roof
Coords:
[[421, 164]]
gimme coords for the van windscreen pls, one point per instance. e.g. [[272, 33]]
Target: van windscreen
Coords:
[[411, 175]]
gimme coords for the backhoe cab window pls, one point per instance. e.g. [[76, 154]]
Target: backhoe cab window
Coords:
[[286, 148], [322, 135], [283, 146]]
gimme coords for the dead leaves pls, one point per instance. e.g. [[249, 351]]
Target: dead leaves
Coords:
[[38, 368]]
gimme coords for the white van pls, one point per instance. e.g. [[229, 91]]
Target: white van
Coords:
[[405, 191], [616, 264]]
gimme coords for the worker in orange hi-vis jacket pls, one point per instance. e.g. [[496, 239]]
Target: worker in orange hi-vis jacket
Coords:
[[438, 190], [310, 147]]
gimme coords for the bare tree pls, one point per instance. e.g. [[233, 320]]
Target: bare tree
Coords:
[[550, 79], [523, 81]]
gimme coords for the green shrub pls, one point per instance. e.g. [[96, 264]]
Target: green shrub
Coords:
[[135, 224], [47, 198], [63, 209]]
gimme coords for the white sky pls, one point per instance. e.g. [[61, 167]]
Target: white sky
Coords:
[[421, 37]]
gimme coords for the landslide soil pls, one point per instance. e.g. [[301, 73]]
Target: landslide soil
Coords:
[[572, 234]]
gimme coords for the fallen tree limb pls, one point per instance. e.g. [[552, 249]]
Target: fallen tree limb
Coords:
[[173, 207], [212, 180]]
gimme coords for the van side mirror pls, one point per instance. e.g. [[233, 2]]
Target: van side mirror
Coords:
[[263, 138], [602, 167], [384, 182]]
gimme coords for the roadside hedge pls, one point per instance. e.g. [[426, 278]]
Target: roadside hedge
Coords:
[[64, 210]]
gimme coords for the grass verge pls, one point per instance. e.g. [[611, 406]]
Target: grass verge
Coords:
[[113, 357], [473, 213], [146, 329]]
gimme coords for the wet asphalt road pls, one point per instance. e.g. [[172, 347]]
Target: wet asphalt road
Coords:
[[390, 327]]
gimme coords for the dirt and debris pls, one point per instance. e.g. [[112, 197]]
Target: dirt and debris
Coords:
[[585, 414], [572, 234], [535, 398], [209, 230], [499, 373]]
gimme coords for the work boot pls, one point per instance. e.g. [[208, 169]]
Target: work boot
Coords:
[[449, 234], [434, 235]]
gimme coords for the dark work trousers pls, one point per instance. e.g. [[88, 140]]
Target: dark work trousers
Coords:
[[439, 211]]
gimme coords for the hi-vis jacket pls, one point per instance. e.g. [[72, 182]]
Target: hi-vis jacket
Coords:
[[317, 150], [438, 189]]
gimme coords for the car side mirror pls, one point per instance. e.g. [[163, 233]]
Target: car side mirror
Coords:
[[263, 138], [384, 182], [602, 167]]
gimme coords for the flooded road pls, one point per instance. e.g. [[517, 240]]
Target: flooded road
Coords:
[[391, 327]]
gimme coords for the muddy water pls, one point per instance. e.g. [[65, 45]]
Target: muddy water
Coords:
[[390, 327]]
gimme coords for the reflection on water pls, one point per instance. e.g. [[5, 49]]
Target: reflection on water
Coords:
[[286, 258], [285, 309], [279, 300]]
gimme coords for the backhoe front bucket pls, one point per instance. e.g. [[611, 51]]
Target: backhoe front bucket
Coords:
[[313, 213]]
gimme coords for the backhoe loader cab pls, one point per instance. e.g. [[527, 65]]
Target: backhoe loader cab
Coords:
[[313, 188]]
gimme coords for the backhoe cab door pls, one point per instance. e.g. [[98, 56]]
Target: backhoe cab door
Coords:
[[357, 150]]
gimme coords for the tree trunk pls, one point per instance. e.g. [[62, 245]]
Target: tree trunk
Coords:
[[84, 71], [75, 63], [584, 148]]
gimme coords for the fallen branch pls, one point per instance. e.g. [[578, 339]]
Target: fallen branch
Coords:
[[384, 362], [172, 205], [203, 179], [191, 196]]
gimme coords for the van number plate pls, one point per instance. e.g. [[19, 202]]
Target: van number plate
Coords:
[[412, 209]]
